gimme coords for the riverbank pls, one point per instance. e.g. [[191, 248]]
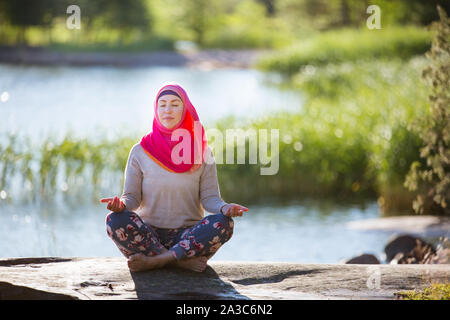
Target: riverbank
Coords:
[[109, 278], [208, 59]]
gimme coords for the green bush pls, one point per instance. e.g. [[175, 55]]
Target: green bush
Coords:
[[434, 129], [435, 291]]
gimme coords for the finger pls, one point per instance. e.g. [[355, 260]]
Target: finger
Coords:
[[106, 199]]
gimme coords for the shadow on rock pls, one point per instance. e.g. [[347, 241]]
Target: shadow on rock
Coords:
[[174, 284], [274, 278], [9, 291]]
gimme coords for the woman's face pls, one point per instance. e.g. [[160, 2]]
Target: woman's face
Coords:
[[170, 109]]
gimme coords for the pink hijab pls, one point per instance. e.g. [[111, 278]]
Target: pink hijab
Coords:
[[158, 144]]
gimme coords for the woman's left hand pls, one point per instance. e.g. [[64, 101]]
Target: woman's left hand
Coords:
[[233, 210]]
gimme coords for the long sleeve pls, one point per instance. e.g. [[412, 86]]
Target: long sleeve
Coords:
[[209, 187], [132, 190]]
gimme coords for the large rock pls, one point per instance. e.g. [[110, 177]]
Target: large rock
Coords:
[[110, 278], [363, 259], [407, 245]]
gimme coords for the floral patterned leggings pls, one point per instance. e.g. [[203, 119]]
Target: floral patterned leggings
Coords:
[[132, 235]]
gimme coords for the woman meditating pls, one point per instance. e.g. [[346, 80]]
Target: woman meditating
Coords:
[[170, 178]]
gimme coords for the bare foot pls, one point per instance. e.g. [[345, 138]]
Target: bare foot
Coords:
[[197, 264], [139, 262]]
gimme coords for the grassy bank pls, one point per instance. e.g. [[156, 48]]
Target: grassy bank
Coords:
[[82, 169], [366, 86], [349, 45]]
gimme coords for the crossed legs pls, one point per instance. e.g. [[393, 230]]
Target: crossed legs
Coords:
[[193, 247]]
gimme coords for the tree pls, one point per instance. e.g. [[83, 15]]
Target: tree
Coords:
[[26, 13], [270, 7], [126, 16], [434, 129]]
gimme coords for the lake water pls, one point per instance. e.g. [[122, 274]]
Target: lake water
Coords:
[[41, 101], [307, 232], [54, 100]]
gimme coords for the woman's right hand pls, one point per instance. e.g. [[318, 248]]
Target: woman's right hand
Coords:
[[114, 204]]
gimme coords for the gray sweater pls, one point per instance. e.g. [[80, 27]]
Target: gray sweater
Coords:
[[170, 200]]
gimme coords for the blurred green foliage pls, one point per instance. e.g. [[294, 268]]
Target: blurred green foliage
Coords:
[[138, 24], [349, 45], [434, 128]]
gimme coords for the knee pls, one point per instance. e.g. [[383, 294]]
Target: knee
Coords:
[[115, 220], [226, 222]]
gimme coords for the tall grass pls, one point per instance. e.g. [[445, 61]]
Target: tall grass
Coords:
[[30, 172], [349, 45], [376, 100], [351, 138]]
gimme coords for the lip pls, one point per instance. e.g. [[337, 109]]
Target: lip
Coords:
[[168, 118]]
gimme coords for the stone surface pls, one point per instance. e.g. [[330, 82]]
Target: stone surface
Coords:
[[363, 259], [109, 278]]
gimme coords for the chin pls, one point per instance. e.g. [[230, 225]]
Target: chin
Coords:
[[169, 125]]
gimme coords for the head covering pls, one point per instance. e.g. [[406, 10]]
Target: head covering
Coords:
[[189, 132], [163, 93]]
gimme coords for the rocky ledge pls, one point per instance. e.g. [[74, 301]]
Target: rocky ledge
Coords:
[[109, 278]]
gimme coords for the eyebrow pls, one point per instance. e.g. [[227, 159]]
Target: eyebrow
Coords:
[[175, 100]]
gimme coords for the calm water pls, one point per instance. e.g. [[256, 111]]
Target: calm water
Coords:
[[44, 100], [39, 101], [297, 233]]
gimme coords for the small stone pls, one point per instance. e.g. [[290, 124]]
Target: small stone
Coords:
[[363, 259]]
